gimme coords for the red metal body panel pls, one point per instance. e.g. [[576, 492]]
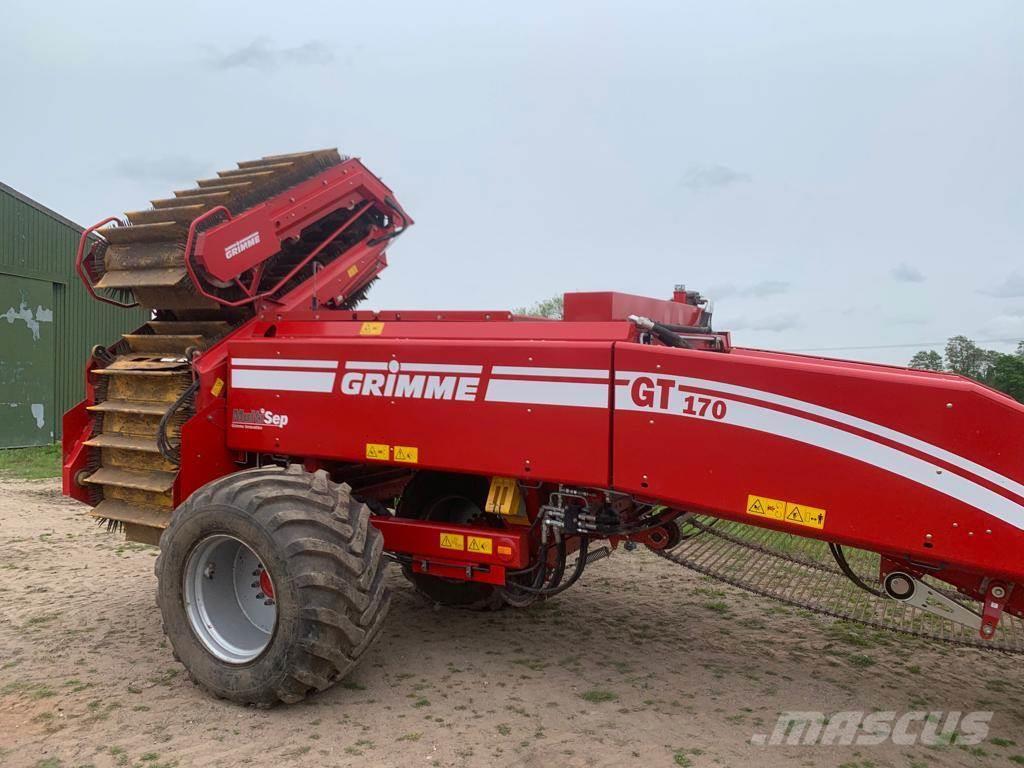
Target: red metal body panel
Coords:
[[509, 546], [609, 305], [920, 466], [77, 428], [491, 407], [205, 454]]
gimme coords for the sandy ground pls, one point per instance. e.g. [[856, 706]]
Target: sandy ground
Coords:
[[643, 664]]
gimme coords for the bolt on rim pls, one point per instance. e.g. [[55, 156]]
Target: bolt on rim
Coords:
[[229, 599]]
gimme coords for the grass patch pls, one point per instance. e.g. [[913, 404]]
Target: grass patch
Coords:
[[597, 696], [37, 463]]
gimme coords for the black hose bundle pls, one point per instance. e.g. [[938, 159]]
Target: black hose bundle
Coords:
[[173, 452]]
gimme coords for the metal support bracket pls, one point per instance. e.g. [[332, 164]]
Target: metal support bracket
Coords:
[[996, 598], [901, 586]]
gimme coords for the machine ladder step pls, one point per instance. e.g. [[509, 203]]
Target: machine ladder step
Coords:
[[154, 277], [183, 214], [165, 342], [248, 176], [211, 329], [141, 523], [123, 512], [231, 189], [124, 442], [152, 480], [134, 407], [144, 233]]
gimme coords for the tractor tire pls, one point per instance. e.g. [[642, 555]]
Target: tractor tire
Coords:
[[271, 584], [419, 500]]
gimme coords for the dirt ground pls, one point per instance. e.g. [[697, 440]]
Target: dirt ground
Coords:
[[643, 664]]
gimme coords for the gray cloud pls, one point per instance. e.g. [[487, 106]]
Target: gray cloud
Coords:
[[1009, 326], [906, 273], [1011, 288], [756, 290], [702, 176], [778, 322], [262, 54], [165, 168], [907, 318]]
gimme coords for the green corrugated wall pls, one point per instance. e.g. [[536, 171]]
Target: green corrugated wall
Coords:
[[40, 244]]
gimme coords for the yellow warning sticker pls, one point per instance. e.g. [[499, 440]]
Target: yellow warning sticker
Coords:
[[378, 451], [453, 541], [786, 511], [407, 453], [217, 388], [353, 271], [371, 329], [481, 544]]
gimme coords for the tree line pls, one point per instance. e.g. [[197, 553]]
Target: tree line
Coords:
[[994, 369]]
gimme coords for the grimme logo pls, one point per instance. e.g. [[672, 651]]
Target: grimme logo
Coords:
[[244, 244], [257, 419], [424, 381]]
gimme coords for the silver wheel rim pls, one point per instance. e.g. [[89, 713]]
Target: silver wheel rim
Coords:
[[229, 599]]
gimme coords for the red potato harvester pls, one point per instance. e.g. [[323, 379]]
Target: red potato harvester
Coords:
[[280, 445]]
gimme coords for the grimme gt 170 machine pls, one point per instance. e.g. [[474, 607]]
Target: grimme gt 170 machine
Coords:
[[280, 445]]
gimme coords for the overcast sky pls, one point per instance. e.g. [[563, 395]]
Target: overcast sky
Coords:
[[833, 174]]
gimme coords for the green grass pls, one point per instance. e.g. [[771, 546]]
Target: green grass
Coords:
[[30, 463], [597, 696]]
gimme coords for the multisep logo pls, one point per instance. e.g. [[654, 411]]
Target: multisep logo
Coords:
[[257, 419], [423, 381], [244, 244]]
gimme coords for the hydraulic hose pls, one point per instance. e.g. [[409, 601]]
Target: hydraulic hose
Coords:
[[663, 333], [581, 563], [844, 566]]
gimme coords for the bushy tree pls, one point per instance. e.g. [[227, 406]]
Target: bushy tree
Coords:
[[963, 356], [552, 308], [1008, 375], [928, 360]]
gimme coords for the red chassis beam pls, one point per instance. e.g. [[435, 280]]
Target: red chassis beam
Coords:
[[457, 551]]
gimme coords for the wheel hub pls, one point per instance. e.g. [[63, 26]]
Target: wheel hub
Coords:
[[229, 599]]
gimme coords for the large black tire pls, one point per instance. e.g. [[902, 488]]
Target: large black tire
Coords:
[[324, 555], [416, 502]]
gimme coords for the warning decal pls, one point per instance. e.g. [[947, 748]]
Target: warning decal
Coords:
[[786, 511], [378, 451], [481, 544], [453, 541], [407, 453]]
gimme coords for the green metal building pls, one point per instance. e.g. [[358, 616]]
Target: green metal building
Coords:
[[48, 321]]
